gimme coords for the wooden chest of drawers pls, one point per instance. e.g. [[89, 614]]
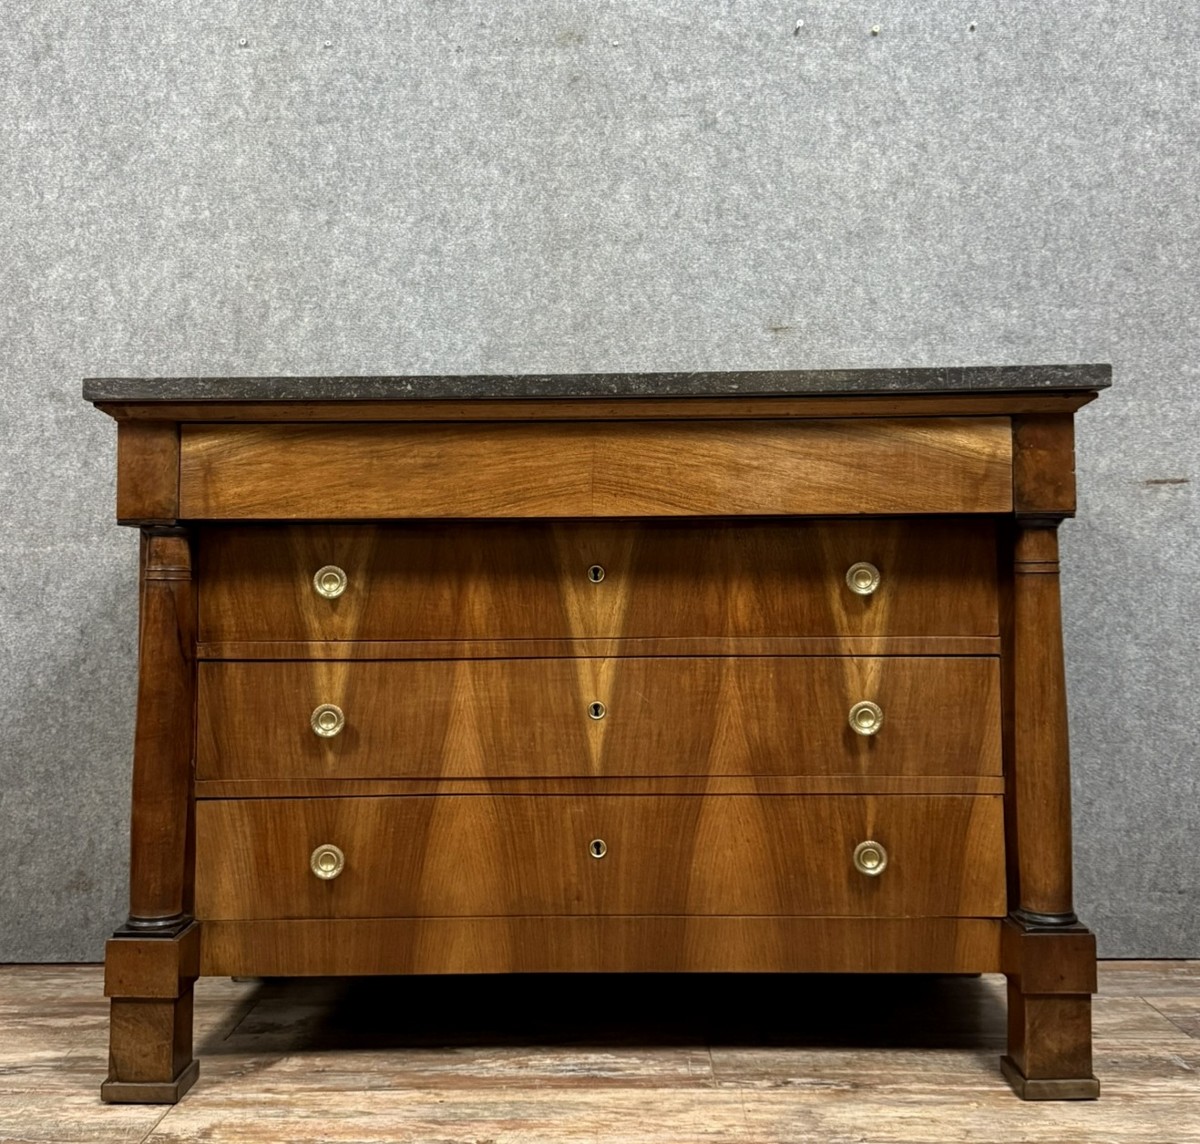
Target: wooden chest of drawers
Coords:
[[744, 672]]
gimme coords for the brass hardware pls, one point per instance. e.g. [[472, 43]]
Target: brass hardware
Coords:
[[866, 718], [870, 858], [597, 848], [862, 578], [597, 710], [330, 581], [327, 720], [327, 861], [596, 573]]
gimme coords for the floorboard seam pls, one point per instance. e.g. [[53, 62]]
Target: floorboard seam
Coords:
[[1167, 1016], [154, 1127]]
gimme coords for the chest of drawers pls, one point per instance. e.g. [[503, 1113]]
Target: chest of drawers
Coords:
[[623, 673]]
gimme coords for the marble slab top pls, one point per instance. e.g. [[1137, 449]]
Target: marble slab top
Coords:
[[745, 383]]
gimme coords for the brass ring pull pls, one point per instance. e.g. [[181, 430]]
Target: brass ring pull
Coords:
[[327, 861], [597, 848], [329, 581], [596, 573], [597, 710], [862, 578], [866, 718], [327, 720], [870, 858]]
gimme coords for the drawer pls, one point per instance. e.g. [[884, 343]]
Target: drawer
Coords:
[[609, 469], [516, 855], [539, 717], [447, 581]]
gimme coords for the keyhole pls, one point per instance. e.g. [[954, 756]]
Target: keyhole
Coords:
[[597, 710], [596, 573], [598, 848]]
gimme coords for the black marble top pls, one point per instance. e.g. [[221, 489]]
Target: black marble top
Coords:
[[749, 383]]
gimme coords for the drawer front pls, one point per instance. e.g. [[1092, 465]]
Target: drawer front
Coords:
[[517, 855], [538, 717], [590, 580], [595, 469]]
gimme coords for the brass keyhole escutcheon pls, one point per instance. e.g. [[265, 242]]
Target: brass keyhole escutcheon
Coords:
[[327, 861], [597, 848], [596, 573], [330, 581], [862, 578], [870, 858], [866, 718], [327, 720], [597, 710]]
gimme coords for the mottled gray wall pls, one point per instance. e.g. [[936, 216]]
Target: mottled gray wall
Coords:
[[508, 185]]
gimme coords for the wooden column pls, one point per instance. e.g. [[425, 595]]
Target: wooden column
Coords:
[[1041, 772], [1049, 958], [152, 960]]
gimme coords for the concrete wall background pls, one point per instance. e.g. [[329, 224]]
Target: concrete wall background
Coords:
[[561, 185]]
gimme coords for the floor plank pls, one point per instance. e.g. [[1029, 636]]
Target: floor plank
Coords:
[[606, 1060]]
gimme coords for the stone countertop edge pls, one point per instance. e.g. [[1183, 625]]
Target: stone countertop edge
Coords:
[[743, 384]]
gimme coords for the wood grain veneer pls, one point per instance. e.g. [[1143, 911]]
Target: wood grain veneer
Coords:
[[605, 944], [523, 855], [514, 718], [454, 581], [601, 469]]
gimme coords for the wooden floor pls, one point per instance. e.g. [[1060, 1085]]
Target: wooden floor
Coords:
[[602, 1060]]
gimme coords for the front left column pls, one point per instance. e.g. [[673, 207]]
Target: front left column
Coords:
[[152, 961]]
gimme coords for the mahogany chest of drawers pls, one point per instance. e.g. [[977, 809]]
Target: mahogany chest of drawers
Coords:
[[708, 672]]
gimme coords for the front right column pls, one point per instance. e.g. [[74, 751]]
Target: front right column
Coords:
[[1049, 958]]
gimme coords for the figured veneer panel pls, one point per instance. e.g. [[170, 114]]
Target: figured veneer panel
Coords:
[[513, 580], [605, 944], [602, 469], [529, 855], [511, 718]]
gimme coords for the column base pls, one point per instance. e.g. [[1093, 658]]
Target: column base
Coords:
[[150, 1091], [170, 929], [1075, 1088], [1051, 978], [149, 982]]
